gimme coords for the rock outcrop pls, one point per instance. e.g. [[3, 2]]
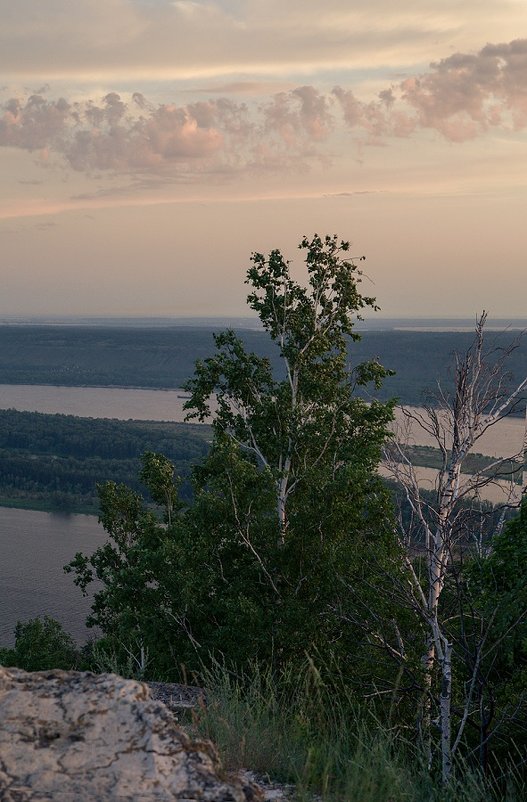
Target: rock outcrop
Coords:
[[80, 737]]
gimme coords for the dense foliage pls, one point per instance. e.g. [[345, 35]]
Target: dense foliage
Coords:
[[288, 510], [496, 635], [41, 644], [56, 461]]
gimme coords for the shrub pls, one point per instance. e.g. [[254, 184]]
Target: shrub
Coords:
[[41, 644]]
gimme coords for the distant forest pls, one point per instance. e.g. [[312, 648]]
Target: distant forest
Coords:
[[53, 462], [165, 358]]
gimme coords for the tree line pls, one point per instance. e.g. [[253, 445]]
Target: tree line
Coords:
[[56, 461]]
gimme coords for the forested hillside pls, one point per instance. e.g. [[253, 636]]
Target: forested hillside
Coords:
[[107, 356], [166, 357], [55, 461]]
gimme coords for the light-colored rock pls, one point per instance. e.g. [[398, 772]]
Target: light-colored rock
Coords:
[[80, 737]]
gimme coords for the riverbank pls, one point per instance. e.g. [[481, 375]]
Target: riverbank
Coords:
[[49, 506], [53, 458]]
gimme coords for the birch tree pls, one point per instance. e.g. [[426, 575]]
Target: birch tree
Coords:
[[456, 421], [289, 499], [286, 503], [312, 418]]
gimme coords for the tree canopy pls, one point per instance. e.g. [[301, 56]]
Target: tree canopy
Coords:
[[288, 510]]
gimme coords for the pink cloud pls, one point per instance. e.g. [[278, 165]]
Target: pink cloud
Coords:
[[110, 136], [374, 119], [126, 137], [464, 95], [300, 114], [461, 97]]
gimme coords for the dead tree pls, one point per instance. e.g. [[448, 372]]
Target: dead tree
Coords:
[[456, 421]]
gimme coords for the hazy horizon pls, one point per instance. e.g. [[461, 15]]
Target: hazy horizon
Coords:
[[371, 323]]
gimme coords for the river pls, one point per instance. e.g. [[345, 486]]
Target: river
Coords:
[[125, 403], [34, 547], [502, 440]]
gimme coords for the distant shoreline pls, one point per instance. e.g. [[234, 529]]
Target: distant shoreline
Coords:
[[447, 324]]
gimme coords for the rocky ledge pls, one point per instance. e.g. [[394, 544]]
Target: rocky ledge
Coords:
[[81, 737]]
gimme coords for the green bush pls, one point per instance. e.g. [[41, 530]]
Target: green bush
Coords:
[[41, 644]]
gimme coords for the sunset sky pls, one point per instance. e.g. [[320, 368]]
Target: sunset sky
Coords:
[[147, 147]]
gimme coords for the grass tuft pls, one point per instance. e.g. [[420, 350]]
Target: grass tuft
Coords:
[[301, 728]]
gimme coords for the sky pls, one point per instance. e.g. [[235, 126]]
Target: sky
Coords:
[[148, 147]]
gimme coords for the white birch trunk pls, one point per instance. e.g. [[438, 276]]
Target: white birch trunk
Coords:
[[285, 465], [425, 723], [446, 714], [283, 492]]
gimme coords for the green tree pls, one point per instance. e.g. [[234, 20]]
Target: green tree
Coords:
[[158, 475], [41, 644], [311, 424], [288, 512], [497, 649], [130, 569], [288, 506]]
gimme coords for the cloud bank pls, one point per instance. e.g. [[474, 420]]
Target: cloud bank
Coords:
[[135, 136], [464, 95], [460, 97]]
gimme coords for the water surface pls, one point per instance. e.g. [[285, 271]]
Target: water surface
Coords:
[[123, 403], [34, 546]]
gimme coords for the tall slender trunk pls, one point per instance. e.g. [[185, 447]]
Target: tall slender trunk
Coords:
[[425, 713], [438, 556], [283, 487], [445, 719]]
